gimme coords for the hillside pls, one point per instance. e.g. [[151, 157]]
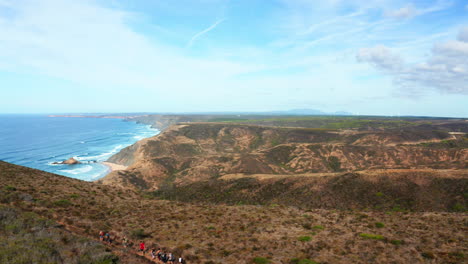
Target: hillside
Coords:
[[385, 190], [50, 218], [197, 153], [214, 233], [26, 237]]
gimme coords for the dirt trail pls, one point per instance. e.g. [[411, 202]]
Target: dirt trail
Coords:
[[116, 247]]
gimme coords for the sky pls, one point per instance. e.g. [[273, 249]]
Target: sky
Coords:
[[373, 57]]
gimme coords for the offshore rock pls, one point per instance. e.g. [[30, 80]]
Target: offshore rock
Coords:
[[70, 161]]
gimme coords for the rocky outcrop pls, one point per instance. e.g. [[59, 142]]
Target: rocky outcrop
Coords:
[[70, 161]]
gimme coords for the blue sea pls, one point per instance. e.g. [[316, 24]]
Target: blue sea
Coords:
[[37, 141]]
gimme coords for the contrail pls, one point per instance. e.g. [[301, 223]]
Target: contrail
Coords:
[[199, 34]]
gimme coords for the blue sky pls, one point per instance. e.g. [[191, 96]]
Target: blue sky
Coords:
[[382, 57]]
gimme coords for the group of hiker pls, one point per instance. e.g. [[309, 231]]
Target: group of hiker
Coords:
[[156, 254], [105, 237]]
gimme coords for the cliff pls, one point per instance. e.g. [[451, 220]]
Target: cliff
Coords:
[[192, 153]]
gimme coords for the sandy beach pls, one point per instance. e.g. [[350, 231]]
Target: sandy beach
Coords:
[[114, 166]]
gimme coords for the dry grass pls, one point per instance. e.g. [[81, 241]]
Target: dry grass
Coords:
[[238, 233]]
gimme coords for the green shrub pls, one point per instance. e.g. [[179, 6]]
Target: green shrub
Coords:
[[458, 255], [9, 188], [302, 261], [260, 260], [397, 208], [396, 242], [318, 227], [334, 163], [304, 238], [371, 236], [108, 259], [294, 261], [11, 228], [379, 225], [428, 255], [138, 234], [307, 261], [458, 207], [187, 246], [379, 194], [62, 203]]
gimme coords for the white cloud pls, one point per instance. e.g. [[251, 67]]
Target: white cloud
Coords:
[[201, 33], [332, 21], [410, 10], [381, 57], [404, 12], [463, 35], [446, 70], [88, 44]]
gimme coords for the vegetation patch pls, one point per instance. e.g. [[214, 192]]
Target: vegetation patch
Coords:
[[356, 123], [396, 242], [139, 234], [334, 163], [302, 261], [9, 188], [379, 225], [447, 143], [74, 196], [458, 207], [371, 236], [398, 208], [428, 255], [63, 203], [457, 255], [228, 120], [261, 260], [304, 238]]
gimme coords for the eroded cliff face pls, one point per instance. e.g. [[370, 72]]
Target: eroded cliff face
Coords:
[[188, 153]]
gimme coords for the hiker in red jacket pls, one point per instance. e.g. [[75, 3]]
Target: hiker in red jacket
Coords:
[[142, 247]]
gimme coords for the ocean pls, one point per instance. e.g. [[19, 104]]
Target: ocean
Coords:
[[37, 141]]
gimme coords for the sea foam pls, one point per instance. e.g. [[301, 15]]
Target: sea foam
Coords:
[[80, 170]]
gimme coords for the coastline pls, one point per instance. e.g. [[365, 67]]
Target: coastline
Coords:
[[113, 166]]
